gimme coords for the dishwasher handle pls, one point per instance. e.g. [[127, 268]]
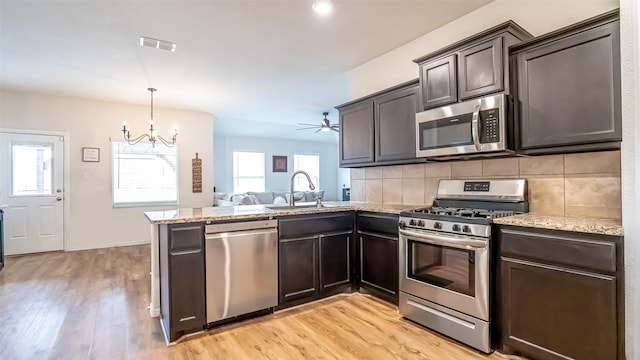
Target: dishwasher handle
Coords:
[[240, 226], [232, 234]]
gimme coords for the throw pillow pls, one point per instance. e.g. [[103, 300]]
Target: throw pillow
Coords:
[[263, 197], [280, 201]]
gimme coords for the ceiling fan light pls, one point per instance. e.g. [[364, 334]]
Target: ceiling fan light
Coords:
[[322, 7], [325, 129]]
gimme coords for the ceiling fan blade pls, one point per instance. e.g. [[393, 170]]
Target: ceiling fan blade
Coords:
[[308, 128], [336, 130], [316, 125], [317, 131]]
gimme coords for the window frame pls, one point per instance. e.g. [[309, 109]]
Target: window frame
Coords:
[[129, 204], [314, 178], [237, 190]]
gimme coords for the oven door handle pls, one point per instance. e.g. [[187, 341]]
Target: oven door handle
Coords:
[[474, 127], [445, 240]]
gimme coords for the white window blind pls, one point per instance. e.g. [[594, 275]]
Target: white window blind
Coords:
[[310, 164], [248, 171], [144, 176]]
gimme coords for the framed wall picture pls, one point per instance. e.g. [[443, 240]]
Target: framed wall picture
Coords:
[[91, 154], [279, 163]]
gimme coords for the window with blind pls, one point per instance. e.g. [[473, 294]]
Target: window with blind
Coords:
[[248, 171], [310, 164], [143, 175]]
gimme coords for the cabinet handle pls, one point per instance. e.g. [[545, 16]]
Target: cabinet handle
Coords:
[[474, 126], [187, 318]]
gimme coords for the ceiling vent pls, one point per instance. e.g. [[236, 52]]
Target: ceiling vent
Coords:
[[157, 44]]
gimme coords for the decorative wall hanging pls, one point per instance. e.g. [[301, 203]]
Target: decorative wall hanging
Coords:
[[279, 163], [196, 174], [90, 154]]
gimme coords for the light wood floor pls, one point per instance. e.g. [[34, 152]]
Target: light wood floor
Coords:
[[93, 304]]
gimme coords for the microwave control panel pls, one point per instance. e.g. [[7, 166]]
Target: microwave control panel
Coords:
[[489, 126]]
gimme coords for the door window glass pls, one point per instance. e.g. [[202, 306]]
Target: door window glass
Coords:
[[31, 169]]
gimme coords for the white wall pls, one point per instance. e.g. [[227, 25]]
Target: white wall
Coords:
[[537, 17], [225, 145], [93, 222], [630, 54]]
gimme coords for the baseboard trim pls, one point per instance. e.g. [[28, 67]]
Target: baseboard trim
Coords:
[[104, 246]]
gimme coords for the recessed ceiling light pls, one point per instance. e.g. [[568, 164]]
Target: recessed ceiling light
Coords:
[[322, 7], [157, 44]]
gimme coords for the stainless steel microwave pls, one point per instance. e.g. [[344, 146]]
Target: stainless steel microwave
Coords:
[[478, 126]]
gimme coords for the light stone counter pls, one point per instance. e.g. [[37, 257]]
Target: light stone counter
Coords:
[[243, 212], [566, 223]]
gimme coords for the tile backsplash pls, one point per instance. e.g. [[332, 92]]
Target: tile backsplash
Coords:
[[586, 184]]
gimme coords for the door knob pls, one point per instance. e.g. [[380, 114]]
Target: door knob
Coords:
[[59, 198], [58, 190]]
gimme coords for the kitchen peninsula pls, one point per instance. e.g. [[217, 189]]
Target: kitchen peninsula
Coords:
[[303, 218]]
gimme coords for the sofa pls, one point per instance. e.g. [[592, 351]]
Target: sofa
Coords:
[[264, 197]]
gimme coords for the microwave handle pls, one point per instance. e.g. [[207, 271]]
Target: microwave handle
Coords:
[[474, 127]]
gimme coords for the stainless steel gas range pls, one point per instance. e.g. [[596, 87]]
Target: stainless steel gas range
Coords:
[[445, 258]]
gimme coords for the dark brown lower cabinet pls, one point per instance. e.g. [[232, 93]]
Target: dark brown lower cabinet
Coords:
[[560, 294], [377, 236], [315, 256], [182, 279], [298, 268]]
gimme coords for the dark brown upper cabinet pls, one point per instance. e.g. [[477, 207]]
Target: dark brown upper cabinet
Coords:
[[380, 128], [481, 69], [470, 68], [568, 88], [356, 134], [439, 82]]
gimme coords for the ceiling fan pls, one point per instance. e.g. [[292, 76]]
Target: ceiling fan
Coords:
[[324, 126]]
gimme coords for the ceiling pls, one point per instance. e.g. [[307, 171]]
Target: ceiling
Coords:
[[262, 61]]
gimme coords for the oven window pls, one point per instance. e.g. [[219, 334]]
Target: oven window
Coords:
[[449, 132], [445, 267]]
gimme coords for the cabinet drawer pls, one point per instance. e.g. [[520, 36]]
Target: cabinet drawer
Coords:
[[298, 226], [383, 224], [186, 238], [586, 251]]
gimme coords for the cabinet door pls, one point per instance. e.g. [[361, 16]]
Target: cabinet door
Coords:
[[439, 82], [356, 134], [186, 277], [335, 264], [550, 312], [379, 265], [187, 291], [395, 125], [569, 90], [298, 268], [480, 69]]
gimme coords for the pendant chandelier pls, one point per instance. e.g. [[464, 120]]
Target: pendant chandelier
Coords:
[[152, 135]]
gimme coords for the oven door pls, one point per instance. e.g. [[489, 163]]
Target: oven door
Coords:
[[447, 269]]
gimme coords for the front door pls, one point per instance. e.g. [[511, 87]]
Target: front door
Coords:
[[31, 180]]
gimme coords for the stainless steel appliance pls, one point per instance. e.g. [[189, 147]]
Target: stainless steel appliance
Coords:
[[241, 268], [478, 126], [444, 257]]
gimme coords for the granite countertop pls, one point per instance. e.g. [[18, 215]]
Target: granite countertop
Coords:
[[566, 223], [184, 215]]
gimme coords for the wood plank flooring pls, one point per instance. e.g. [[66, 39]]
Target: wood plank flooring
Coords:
[[93, 305]]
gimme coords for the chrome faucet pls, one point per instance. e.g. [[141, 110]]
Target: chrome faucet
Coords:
[[292, 201]]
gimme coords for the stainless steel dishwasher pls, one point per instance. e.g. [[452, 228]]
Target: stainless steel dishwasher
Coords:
[[241, 268]]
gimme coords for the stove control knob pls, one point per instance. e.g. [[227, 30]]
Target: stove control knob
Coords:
[[420, 223], [402, 224], [455, 227], [466, 229], [412, 222], [437, 225]]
